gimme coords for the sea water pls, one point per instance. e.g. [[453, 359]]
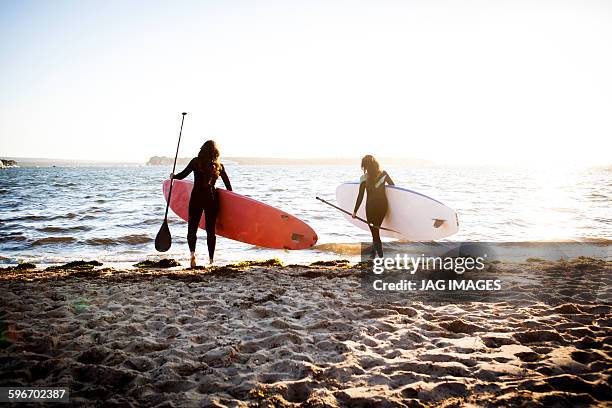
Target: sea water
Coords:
[[112, 214]]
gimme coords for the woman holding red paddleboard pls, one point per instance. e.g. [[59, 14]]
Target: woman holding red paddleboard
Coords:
[[373, 181], [206, 169]]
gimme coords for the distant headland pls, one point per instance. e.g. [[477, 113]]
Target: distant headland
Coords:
[[7, 163]]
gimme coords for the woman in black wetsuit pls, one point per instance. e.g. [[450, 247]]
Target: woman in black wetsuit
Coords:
[[373, 181], [206, 170]]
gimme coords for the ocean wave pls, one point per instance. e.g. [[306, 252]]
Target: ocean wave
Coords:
[[100, 241], [579, 240], [134, 239], [65, 229], [12, 237], [147, 221], [53, 240], [35, 217], [28, 218], [340, 248], [603, 220], [565, 210]]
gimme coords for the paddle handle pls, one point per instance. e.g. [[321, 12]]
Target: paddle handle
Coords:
[[174, 165], [359, 218]]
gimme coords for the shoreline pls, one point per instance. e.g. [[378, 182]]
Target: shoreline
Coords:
[[332, 251], [298, 335]]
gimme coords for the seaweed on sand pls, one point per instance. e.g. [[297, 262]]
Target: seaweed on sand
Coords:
[[163, 263], [335, 262], [78, 265], [23, 266]]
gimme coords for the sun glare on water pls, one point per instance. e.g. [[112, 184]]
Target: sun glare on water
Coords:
[[548, 205]]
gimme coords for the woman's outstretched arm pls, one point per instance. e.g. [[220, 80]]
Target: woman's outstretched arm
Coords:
[[185, 172], [388, 179], [360, 196], [225, 178]]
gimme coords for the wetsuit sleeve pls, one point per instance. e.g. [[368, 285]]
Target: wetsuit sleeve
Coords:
[[388, 179], [185, 172], [225, 178], [360, 196]]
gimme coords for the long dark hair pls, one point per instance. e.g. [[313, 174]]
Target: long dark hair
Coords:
[[372, 168], [208, 160]]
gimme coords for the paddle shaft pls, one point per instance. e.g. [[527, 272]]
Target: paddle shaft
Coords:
[[174, 165], [359, 218]]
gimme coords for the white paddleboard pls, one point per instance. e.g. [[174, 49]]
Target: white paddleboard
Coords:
[[413, 215]]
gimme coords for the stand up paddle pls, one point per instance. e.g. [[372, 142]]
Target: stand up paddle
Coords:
[[358, 218], [163, 240]]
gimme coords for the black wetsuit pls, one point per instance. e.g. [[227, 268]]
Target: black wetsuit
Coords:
[[376, 205], [204, 197]]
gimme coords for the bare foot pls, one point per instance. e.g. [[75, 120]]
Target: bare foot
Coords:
[[193, 261], [211, 261]]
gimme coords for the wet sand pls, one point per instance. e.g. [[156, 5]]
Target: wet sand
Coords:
[[304, 336]]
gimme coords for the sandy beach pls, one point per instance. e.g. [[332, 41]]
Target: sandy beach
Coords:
[[269, 335]]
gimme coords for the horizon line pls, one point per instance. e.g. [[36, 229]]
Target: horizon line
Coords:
[[230, 157], [255, 160]]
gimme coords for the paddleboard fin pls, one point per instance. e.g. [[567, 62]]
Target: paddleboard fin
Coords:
[[438, 223]]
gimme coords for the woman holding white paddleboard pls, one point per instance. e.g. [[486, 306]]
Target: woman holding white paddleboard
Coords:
[[373, 181], [206, 169]]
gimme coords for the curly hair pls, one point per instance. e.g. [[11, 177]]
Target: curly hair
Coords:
[[208, 160]]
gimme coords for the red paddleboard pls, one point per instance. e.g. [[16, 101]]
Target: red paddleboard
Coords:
[[246, 220]]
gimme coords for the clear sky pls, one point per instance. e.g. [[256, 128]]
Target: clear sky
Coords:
[[491, 82]]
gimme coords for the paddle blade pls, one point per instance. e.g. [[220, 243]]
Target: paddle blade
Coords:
[[163, 240]]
